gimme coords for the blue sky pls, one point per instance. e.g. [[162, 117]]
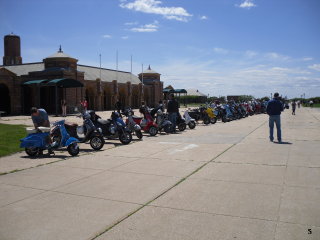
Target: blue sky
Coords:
[[221, 47]]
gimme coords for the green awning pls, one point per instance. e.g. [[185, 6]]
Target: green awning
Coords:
[[35, 82], [65, 83], [168, 90], [180, 91]]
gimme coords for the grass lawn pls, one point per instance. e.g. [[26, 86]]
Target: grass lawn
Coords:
[[317, 105], [10, 136]]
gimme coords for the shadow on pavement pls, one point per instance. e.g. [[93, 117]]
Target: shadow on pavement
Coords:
[[288, 143]]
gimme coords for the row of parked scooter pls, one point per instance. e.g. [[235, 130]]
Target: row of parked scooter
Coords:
[[211, 113], [94, 130]]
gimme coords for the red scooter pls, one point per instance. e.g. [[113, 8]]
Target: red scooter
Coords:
[[147, 122]]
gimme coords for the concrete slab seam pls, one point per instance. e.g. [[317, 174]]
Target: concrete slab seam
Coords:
[[281, 195], [176, 184]]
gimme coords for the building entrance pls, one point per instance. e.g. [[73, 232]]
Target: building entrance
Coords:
[[5, 101]]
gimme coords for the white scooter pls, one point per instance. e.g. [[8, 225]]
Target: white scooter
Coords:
[[189, 121], [132, 125]]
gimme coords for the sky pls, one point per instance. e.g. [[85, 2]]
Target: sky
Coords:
[[220, 47]]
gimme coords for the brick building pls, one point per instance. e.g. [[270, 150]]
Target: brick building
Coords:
[[59, 76]]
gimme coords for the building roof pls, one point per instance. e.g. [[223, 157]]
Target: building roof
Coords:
[[23, 69], [149, 70], [108, 75], [11, 35], [90, 73], [195, 92], [60, 54]]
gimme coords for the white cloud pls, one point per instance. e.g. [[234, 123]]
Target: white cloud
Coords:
[[250, 54], [276, 56], [307, 59], [220, 50], [233, 74], [152, 27], [153, 7], [131, 23], [203, 17], [247, 4], [315, 67], [125, 37], [107, 36]]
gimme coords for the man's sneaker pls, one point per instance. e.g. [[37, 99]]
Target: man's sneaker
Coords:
[[279, 141], [50, 151]]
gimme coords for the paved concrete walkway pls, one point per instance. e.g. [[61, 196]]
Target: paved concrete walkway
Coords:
[[224, 181]]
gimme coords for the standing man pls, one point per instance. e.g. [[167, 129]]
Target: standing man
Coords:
[[118, 106], [293, 105], [274, 109], [64, 107], [311, 103], [173, 111]]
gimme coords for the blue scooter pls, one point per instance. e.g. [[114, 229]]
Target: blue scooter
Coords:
[[36, 142]]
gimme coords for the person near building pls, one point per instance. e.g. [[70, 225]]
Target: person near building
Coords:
[[293, 105], [161, 106], [311, 103], [173, 111], [85, 104], [118, 106], [39, 117], [64, 107], [274, 109]]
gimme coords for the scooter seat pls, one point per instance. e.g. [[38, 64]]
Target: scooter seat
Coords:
[[136, 117], [71, 124], [102, 121], [33, 130]]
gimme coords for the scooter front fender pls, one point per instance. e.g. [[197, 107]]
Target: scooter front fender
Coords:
[[71, 140], [34, 140], [137, 127]]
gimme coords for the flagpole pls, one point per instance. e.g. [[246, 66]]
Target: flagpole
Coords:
[[100, 65], [142, 81], [117, 65], [131, 69]]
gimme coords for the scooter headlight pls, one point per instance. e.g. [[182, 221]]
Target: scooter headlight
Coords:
[[99, 130], [80, 130], [112, 130]]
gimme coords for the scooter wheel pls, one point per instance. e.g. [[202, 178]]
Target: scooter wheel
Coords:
[[206, 121], [125, 138], [213, 120], [73, 149], [139, 134], [192, 125], [97, 142], [182, 127], [153, 131], [32, 151], [224, 119], [168, 128]]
